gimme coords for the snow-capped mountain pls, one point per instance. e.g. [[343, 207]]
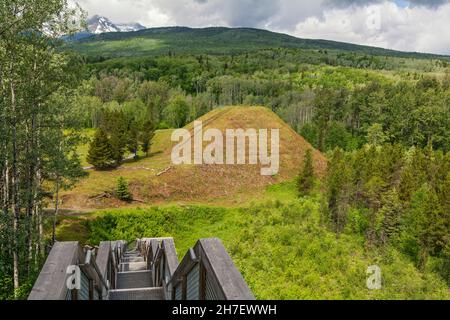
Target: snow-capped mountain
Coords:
[[98, 24], [129, 27]]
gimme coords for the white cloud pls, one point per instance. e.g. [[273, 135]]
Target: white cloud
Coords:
[[117, 10], [420, 26], [156, 18], [415, 28]]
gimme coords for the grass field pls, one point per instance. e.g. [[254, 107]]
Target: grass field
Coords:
[[224, 185], [123, 48], [282, 247]]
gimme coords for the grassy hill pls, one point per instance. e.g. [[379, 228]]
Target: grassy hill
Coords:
[[202, 183], [282, 245], [217, 40]]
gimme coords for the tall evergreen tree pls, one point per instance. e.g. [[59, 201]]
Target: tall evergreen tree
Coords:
[[338, 192], [305, 181], [133, 139], [390, 214], [100, 153], [328, 106], [424, 226], [146, 136], [115, 123]]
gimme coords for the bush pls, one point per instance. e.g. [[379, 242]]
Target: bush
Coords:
[[284, 243], [123, 192]]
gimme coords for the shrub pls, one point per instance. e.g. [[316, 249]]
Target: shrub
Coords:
[[123, 192]]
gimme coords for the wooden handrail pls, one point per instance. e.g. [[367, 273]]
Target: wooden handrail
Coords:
[[92, 270], [220, 266], [206, 271], [165, 263], [51, 283], [104, 257], [214, 266], [214, 263]]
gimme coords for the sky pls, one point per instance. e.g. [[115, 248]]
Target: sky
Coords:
[[407, 25]]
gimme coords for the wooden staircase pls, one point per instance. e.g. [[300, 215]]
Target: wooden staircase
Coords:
[[135, 280], [150, 271]]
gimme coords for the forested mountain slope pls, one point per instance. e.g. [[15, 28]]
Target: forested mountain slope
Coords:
[[216, 40]]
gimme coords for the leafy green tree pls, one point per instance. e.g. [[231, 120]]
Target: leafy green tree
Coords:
[[338, 136], [88, 110], [176, 113], [63, 171], [100, 153], [328, 105], [305, 181], [104, 88], [123, 192], [376, 135], [35, 76], [155, 96], [372, 193], [310, 132]]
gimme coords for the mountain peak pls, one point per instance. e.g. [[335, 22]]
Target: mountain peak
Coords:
[[98, 24]]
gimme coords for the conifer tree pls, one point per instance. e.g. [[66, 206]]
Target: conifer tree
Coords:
[[425, 226], [115, 124], [123, 192], [305, 181], [146, 136], [100, 153], [132, 139], [391, 213], [338, 189]]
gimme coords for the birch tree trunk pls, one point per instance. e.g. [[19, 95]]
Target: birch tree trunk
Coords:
[[15, 190], [56, 210]]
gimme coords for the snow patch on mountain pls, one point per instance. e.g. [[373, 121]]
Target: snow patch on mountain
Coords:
[[98, 24], [130, 27]]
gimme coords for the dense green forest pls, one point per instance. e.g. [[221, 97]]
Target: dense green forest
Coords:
[[331, 106], [382, 119], [215, 40]]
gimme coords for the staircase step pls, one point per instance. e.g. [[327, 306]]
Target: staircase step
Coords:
[[132, 259], [135, 279], [133, 266], [137, 294], [132, 253], [131, 256]]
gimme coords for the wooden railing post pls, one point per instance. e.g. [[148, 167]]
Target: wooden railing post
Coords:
[[91, 289], [202, 282], [74, 294], [184, 288]]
